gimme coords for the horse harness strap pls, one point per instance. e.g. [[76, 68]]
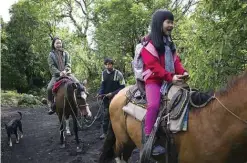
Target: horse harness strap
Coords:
[[83, 105], [244, 121], [66, 97]]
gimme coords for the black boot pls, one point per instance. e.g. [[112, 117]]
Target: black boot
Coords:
[[157, 149], [52, 109]]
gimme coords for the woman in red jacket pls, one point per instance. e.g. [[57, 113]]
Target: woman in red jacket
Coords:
[[161, 64]]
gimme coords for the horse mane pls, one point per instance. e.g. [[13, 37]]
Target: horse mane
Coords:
[[233, 82]]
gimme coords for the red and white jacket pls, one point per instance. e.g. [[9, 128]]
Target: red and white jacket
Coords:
[[154, 66]]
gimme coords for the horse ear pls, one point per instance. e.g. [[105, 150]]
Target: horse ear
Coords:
[[84, 82], [74, 85]]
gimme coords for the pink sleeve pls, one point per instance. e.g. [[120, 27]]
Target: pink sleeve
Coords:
[[151, 62]]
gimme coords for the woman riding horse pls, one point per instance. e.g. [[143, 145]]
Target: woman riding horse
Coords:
[[164, 67], [216, 132], [60, 65]]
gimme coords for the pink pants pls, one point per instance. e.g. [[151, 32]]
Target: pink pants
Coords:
[[153, 104]]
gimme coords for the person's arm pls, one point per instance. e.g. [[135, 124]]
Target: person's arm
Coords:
[[101, 89], [121, 82], [67, 67], [153, 64], [52, 66]]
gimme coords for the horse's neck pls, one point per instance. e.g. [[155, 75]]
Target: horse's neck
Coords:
[[234, 101], [219, 124]]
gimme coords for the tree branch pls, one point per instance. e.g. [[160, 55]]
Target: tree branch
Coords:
[[82, 9]]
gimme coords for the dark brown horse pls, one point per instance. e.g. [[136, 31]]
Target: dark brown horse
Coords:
[[217, 133], [68, 103]]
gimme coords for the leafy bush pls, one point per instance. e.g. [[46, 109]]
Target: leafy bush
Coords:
[[12, 98]]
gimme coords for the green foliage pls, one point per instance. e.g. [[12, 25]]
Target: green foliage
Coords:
[[119, 25], [214, 42], [12, 98], [27, 100], [211, 40], [25, 58]]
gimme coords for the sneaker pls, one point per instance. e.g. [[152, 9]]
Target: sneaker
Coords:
[[102, 136], [158, 150]]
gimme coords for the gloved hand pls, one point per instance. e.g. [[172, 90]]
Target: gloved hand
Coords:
[[63, 73]]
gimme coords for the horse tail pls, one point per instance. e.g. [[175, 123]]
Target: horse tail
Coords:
[[20, 115], [107, 153]]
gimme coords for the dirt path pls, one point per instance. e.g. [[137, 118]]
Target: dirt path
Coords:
[[40, 143]]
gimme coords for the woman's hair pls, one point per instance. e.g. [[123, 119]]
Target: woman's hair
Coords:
[[53, 42], [156, 34]]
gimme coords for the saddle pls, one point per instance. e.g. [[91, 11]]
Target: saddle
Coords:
[[177, 100], [136, 95], [62, 80], [180, 98]]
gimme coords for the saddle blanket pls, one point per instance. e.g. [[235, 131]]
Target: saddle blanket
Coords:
[[59, 83], [177, 107], [180, 124]]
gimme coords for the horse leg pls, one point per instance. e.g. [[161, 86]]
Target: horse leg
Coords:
[[127, 151], [123, 152], [62, 136], [78, 149], [118, 151], [67, 126]]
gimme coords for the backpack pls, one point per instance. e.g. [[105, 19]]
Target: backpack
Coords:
[[137, 63]]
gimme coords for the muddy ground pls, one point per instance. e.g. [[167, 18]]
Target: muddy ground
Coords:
[[40, 143]]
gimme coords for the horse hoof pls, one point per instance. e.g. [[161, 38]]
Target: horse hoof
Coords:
[[78, 149], [62, 146], [68, 133]]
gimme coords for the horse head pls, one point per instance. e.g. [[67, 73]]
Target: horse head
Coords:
[[81, 96]]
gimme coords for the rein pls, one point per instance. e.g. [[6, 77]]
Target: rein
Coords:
[[214, 97], [230, 111], [74, 97]]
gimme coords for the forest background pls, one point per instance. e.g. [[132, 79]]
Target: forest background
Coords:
[[210, 36]]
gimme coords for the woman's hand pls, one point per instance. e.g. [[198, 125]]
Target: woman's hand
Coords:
[[176, 78], [63, 73], [186, 76]]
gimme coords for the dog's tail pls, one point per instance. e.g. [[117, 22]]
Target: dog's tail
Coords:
[[20, 115]]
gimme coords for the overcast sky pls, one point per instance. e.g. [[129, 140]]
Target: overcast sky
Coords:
[[4, 8]]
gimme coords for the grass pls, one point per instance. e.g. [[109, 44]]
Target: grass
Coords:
[[12, 98]]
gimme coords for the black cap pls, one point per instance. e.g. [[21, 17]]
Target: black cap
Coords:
[[108, 60]]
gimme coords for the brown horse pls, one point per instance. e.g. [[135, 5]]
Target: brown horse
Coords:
[[68, 103], [217, 133]]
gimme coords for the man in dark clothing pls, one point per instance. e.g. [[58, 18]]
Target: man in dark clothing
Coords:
[[112, 82]]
